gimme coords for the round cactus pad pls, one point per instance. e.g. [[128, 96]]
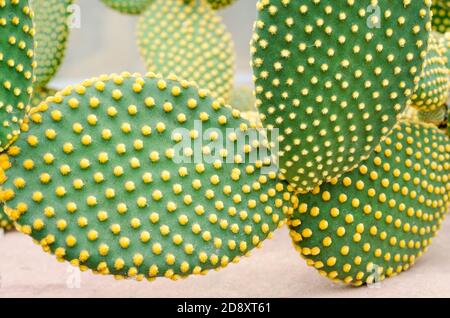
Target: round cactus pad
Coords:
[[433, 89], [131, 176], [52, 30], [128, 6], [16, 67], [190, 41], [332, 76], [378, 219]]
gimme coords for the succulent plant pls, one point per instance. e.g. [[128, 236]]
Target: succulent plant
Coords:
[[5, 222], [40, 94], [220, 4], [243, 98], [378, 219], [16, 67], [128, 6], [332, 76], [188, 39], [99, 179], [441, 15], [52, 31], [438, 117], [433, 89]]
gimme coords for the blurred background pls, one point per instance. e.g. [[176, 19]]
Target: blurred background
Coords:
[[106, 42]]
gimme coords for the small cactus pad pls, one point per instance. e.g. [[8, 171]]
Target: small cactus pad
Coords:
[[16, 67], [190, 41], [242, 98], [128, 6], [52, 31], [378, 219], [220, 4], [111, 177], [332, 76], [441, 16], [433, 90], [40, 95]]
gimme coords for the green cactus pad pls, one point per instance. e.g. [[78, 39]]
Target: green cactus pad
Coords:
[[332, 77], [40, 95], [378, 219], [5, 223], [128, 6], [190, 41], [242, 98], [433, 90], [52, 31], [220, 4], [441, 16], [100, 179], [16, 67]]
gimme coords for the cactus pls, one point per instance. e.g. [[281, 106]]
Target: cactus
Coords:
[[52, 31], [220, 4], [16, 67], [438, 117], [441, 15], [5, 222], [103, 178], [433, 89], [378, 219], [128, 6], [332, 76], [242, 98], [40, 94], [190, 41]]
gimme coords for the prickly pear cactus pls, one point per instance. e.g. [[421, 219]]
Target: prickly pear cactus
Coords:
[[242, 98], [16, 67], [128, 6], [332, 76], [441, 15], [108, 177], [220, 4], [378, 219], [433, 89], [438, 117], [190, 41], [52, 31], [40, 95], [5, 222]]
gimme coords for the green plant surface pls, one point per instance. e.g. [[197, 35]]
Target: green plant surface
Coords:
[[441, 16], [16, 67], [40, 95], [128, 6], [432, 92], [190, 41], [103, 177], [332, 76], [52, 31], [242, 98], [220, 4], [377, 220]]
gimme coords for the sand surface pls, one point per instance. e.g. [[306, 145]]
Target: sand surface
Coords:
[[273, 271]]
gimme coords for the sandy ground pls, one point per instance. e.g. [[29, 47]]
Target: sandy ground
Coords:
[[273, 271]]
